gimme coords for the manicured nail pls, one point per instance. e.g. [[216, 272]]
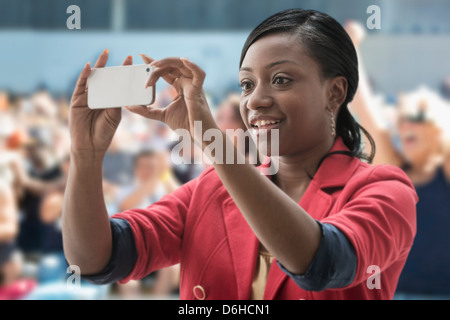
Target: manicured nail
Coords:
[[106, 51], [130, 57]]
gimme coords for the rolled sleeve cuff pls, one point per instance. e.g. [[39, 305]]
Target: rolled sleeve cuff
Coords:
[[333, 266], [123, 256]]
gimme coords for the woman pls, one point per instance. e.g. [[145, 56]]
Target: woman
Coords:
[[423, 152], [311, 231]]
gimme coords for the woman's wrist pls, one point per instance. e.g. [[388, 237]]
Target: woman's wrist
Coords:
[[86, 159]]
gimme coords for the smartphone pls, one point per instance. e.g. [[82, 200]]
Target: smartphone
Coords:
[[114, 87]]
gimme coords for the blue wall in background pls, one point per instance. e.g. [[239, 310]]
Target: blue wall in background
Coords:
[[30, 59]]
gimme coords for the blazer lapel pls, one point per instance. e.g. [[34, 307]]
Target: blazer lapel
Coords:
[[244, 247]]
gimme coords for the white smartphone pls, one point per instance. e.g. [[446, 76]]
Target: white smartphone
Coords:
[[114, 87]]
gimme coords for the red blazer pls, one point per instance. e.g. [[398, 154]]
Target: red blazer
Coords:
[[200, 227]]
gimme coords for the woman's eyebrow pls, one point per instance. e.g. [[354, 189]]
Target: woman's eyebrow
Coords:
[[270, 65], [273, 64]]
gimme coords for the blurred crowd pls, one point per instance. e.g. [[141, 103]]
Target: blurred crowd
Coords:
[[138, 170], [411, 133]]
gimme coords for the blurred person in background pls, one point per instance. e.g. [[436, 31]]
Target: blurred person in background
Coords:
[[52, 275], [40, 166], [12, 286], [445, 88], [43, 121], [228, 114], [228, 117], [417, 142], [40, 173], [153, 178], [118, 163], [4, 101]]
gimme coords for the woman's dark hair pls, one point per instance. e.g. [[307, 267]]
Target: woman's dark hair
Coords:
[[327, 42]]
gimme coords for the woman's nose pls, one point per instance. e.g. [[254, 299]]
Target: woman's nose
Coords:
[[260, 97]]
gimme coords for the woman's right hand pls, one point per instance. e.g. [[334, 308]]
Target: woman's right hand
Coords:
[[91, 131]]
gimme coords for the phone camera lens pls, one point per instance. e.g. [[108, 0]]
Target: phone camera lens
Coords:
[[148, 69]]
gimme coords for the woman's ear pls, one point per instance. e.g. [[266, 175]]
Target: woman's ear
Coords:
[[337, 92]]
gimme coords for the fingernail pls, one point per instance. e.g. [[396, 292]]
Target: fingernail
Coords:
[[106, 51], [130, 57]]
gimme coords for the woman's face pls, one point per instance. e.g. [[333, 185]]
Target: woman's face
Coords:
[[282, 89]]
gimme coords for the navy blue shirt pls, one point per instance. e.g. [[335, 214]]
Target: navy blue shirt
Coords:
[[427, 268]]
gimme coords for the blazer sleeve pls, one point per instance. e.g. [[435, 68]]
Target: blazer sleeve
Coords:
[[379, 219], [158, 231]]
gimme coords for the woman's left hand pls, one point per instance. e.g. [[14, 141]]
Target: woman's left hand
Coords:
[[190, 105]]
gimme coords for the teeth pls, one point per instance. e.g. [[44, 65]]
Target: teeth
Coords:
[[260, 123]]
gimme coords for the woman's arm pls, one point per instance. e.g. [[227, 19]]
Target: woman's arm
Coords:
[[281, 225], [87, 238], [85, 223]]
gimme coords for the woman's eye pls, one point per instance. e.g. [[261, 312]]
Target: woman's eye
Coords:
[[246, 85], [281, 80]]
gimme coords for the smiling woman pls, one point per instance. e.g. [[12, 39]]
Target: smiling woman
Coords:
[[308, 232]]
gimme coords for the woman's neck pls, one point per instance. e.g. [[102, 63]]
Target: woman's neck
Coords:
[[295, 172]]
